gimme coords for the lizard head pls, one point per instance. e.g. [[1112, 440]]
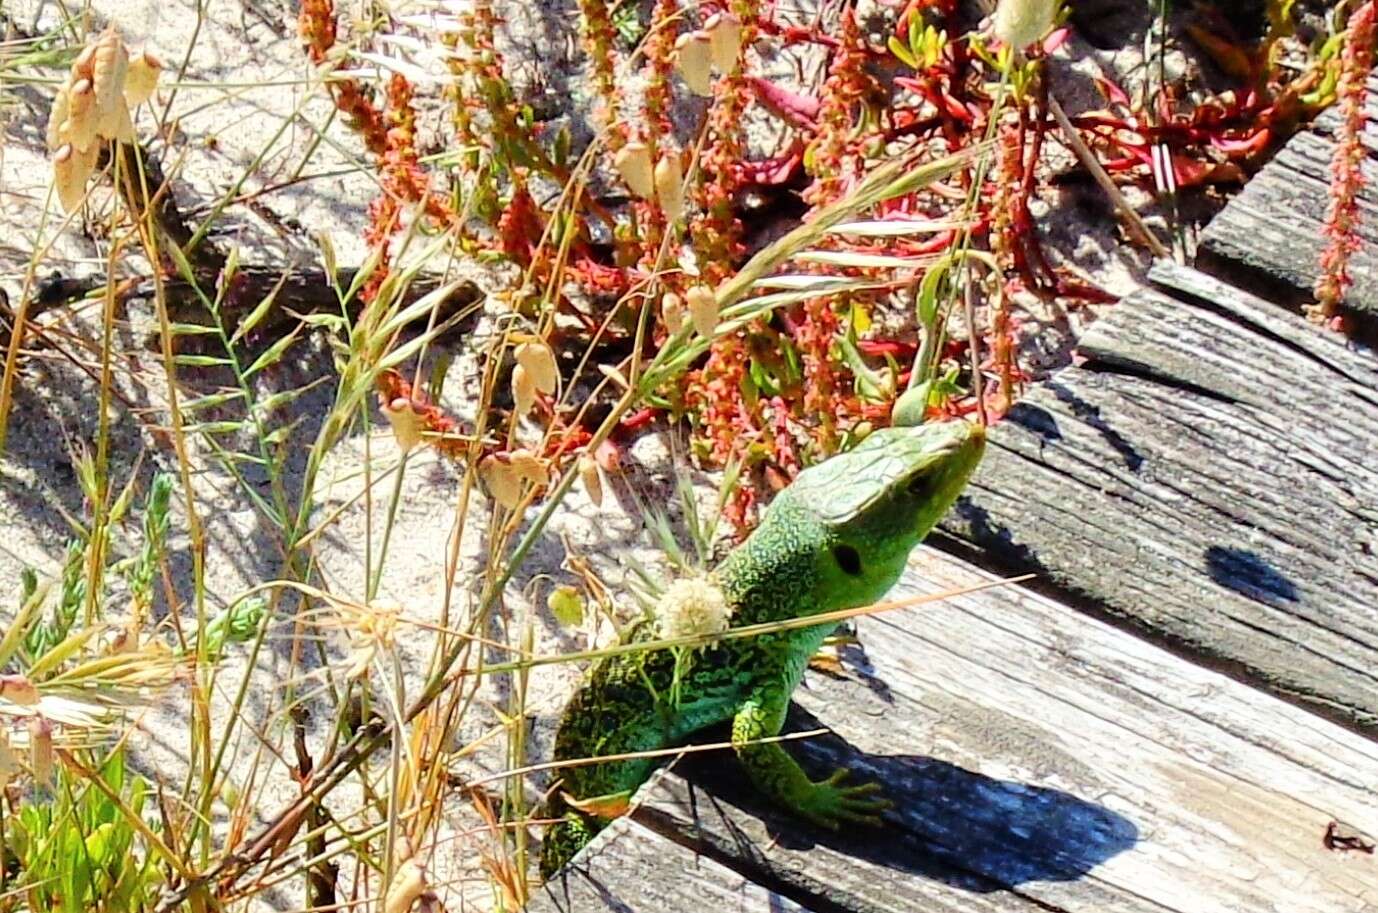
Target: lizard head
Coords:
[[875, 503]]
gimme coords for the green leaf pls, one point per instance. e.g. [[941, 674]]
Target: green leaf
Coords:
[[902, 52], [226, 427], [200, 361], [260, 311], [192, 329], [566, 603], [273, 355], [209, 400]]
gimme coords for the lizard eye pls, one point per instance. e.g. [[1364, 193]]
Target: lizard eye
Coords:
[[849, 559], [920, 485]]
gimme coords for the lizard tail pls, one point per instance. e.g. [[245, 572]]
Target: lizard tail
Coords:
[[564, 839]]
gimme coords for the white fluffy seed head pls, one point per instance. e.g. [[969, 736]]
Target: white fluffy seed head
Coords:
[[692, 606]]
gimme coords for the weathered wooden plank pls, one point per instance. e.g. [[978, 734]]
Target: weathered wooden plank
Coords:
[[1208, 475], [1038, 760], [631, 869], [1269, 239]]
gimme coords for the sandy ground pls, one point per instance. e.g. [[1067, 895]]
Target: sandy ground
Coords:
[[243, 97]]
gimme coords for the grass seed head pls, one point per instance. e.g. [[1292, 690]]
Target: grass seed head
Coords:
[[633, 162], [725, 40], [141, 79], [591, 479], [41, 753], [703, 310], [108, 69], [70, 172], [539, 362], [694, 54], [669, 180], [501, 480], [408, 883], [1020, 23], [17, 689], [57, 117], [406, 424], [529, 467], [523, 389], [672, 312]]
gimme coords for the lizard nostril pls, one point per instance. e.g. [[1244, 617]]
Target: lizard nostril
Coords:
[[849, 559]]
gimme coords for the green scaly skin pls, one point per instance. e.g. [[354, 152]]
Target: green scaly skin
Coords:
[[837, 538]]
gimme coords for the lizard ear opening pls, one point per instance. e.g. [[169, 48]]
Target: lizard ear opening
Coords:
[[849, 559]]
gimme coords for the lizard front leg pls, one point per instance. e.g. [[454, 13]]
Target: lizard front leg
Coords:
[[779, 776]]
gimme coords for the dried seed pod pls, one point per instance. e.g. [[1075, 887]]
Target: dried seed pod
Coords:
[[703, 310], [529, 467], [17, 689], [725, 40], [9, 761], [71, 168], [633, 162], [108, 70], [84, 66], [592, 480], [672, 312], [501, 480], [670, 186], [1020, 23], [406, 424], [694, 53], [141, 78], [80, 128], [539, 363], [523, 390], [57, 117], [121, 125], [41, 749], [408, 883]]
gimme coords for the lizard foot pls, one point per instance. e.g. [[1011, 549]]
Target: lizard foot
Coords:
[[829, 804]]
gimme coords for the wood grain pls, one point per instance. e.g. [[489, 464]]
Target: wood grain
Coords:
[[1207, 475], [631, 869], [1037, 760], [1268, 239]]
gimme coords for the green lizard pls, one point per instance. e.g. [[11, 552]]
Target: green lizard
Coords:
[[838, 537]]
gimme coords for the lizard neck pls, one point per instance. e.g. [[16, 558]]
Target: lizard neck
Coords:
[[772, 576]]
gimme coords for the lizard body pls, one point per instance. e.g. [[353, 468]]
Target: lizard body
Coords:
[[838, 537]]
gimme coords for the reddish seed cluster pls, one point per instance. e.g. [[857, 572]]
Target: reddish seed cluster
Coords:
[[1346, 176], [831, 155]]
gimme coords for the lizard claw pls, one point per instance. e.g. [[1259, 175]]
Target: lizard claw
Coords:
[[829, 804]]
